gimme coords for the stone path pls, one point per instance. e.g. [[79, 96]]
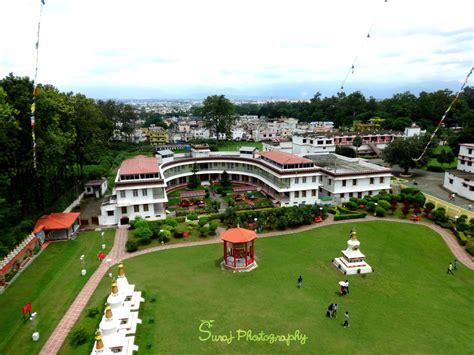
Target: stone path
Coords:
[[118, 253], [56, 339]]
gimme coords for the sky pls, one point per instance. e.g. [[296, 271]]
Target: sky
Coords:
[[248, 49]]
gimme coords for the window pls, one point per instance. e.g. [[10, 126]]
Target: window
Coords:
[[463, 162], [122, 194], [303, 193], [313, 179], [313, 193], [320, 178], [329, 181], [469, 151], [144, 192], [145, 208], [450, 181], [371, 180], [382, 180], [351, 194], [304, 180], [135, 193], [343, 182], [469, 163], [110, 213], [297, 180], [354, 182], [136, 208], [124, 210], [304, 140], [297, 194]]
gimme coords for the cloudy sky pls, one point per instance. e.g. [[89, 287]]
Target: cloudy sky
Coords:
[[186, 48]]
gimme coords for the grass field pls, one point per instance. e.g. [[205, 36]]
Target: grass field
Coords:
[[409, 305], [51, 283], [229, 146]]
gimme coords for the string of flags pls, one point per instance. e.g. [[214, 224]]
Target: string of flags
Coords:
[[352, 67], [445, 114], [35, 84]]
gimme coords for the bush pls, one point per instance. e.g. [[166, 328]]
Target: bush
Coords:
[[131, 246], [203, 221], [92, 312], [192, 216], [214, 216], [470, 250], [462, 238], [172, 222], [79, 337], [380, 211], [179, 230], [165, 235], [145, 241], [370, 206], [384, 204], [352, 205], [435, 168], [429, 205], [143, 233], [203, 231], [180, 220], [340, 217], [219, 189], [213, 226], [445, 224]]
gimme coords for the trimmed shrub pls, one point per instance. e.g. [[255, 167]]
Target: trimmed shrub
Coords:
[[172, 222], [131, 246], [340, 217], [352, 205], [179, 230], [214, 216], [203, 221], [203, 231], [384, 204], [92, 312], [79, 337], [180, 219], [435, 168], [462, 239], [429, 205], [143, 233], [370, 206], [192, 216], [380, 211], [470, 250], [145, 241], [213, 226]]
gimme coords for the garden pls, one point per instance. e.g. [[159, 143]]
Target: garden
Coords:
[[51, 284], [426, 313]]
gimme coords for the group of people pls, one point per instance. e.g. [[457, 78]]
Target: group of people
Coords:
[[453, 266], [332, 310], [452, 197]]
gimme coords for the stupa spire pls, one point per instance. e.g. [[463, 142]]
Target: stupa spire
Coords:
[[99, 344], [353, 234], [114, 288], [108, 312], [121, 271]]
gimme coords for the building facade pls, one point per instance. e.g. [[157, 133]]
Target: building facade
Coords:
[[461, 180], [288, 179]]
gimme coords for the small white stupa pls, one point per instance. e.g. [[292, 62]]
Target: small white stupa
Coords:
[[352, 260]]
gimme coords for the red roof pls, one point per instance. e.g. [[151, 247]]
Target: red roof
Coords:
[[285, 158], [238, 235], [139, 165], [56, 221]]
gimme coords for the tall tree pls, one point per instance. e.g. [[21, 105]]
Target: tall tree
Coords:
[[219, 115], [404, 151], [357, 143]]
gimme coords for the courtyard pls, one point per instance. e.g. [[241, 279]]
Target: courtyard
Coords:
[[408, 305]]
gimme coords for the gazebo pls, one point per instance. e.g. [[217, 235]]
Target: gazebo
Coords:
[[239, 251]]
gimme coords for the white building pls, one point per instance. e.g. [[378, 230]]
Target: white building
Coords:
[[288, 179], [461, 180], [313, 143]]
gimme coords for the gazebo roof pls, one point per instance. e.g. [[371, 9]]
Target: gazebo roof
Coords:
[[238, 235]]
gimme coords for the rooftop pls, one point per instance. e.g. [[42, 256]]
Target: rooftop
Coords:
[[340, 164], [95, 182], [139, 165], [285, 158], [56, 221], [164, 152], [238, 235], [470, 145], [248, 149]]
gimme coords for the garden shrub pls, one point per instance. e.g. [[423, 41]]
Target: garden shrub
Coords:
[[203, 231], [470, 250], [145, 241], [92, 312], [143, 232], [340, 217], [352, 205], [370, 206], [462, 239], [203, 221], [180, 219], [131, 246], [429, 205], [179, 230], [192, 216], [79, 337], [172, 222], [380, 211], [165, 236], [214, 216], [213, 226], [445, 224], [435, 168], [384, 204]]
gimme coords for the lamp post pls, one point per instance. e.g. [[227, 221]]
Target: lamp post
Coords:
[[103, 243], [256, 226], [83, 265], [35, 335], [375, 212], [321, 211], [161, 236], [109, 260]]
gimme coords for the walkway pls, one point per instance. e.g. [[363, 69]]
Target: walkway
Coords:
[[118, 253], [56, 339]]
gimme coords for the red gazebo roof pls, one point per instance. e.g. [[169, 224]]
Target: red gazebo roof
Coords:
[[238, 235]]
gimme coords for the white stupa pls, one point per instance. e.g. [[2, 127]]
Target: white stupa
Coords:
[[120, 319], [352, 260]]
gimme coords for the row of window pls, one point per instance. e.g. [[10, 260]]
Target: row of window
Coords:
[[303, 179], [139, 176], [136, 209], [471, 188], [463, 162], [123, 193], [318, 142], [303, 193]]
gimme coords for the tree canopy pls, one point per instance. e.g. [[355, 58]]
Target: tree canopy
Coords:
[[219, 115], [404, 151]]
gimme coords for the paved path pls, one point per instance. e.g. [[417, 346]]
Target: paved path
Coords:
[[56, 339], [118, 253]]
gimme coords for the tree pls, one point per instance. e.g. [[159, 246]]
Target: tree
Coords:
[[446, 156], [194, 179], [404, 151], [345, 151], [219, 115], [357, 143]]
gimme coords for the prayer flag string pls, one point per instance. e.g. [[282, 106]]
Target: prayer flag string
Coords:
[[440, 123], [35, 84]]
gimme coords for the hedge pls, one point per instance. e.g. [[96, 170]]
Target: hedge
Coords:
[[435, 168], [340, 217], [462, 239], [470, 250]]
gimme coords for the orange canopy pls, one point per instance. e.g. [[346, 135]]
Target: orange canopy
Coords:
[[238, 235], [56, 221]]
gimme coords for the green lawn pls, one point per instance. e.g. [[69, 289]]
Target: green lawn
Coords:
[[229, 146], [409, 305], [51, 283]]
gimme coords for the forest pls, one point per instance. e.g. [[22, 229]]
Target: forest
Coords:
[[74, 136]]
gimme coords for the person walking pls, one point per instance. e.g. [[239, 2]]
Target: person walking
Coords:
[[450, 269], [300, 281], [334, 310], [330, 310], [347, 286], [346, 320], [455, 264]]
